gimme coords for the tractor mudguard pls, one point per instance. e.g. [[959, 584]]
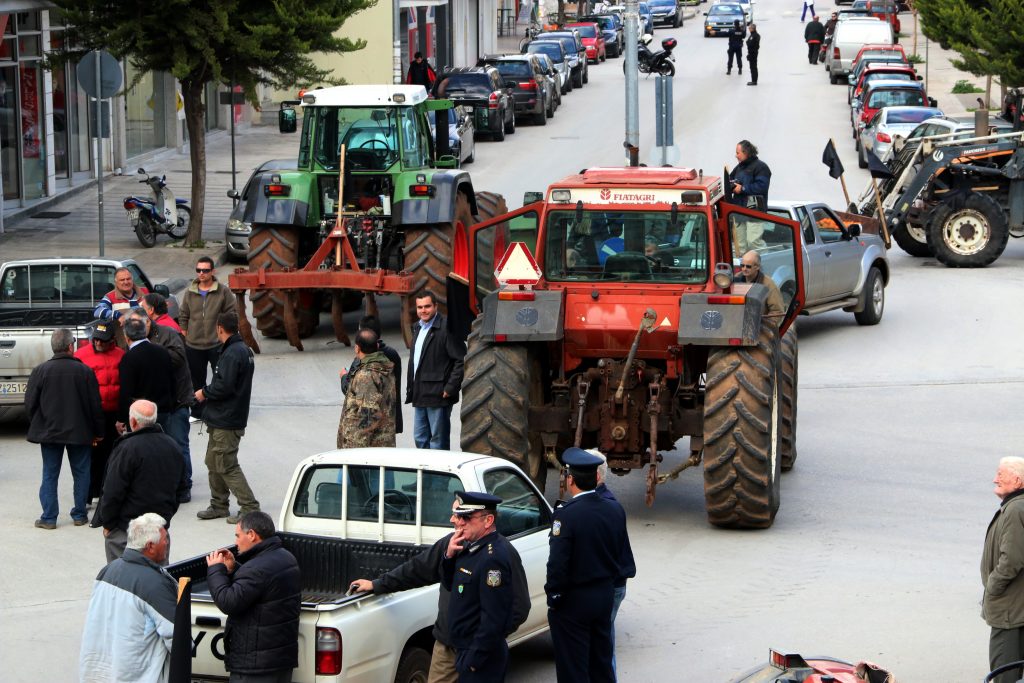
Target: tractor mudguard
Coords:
[[292, 209], [437, 209], [541, 319], [714, 320]]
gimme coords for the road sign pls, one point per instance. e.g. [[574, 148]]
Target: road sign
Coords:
[[111, 77], [517, 267]]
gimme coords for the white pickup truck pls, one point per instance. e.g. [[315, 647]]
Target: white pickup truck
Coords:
[[38, 296], [335, 525]]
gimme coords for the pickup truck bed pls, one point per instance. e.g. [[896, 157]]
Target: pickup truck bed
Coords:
[[328, 566]]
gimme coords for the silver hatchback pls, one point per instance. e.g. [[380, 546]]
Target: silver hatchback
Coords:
[[236, 233]]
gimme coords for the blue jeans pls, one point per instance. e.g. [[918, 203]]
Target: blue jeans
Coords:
[[805, 12], [53, 456], [432, 428], [617, 597], [177, 428]]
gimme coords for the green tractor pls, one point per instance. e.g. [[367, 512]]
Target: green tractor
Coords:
[[376, 205]]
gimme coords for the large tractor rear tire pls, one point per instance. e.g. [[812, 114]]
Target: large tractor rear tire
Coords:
[[972, 235], [275, 248], [912, 239], [428, 249], [499, 385], [741, 434], [788, 353]]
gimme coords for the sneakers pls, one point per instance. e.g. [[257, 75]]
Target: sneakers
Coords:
[[81, 521], [210, 513], [193, 419], [49, 526], [751, 83]]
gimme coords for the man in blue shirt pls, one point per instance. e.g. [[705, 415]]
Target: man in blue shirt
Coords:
[[435, 375]]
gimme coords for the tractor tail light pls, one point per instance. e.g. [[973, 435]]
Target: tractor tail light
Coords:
[[516, 296], [883, 137], [276, 190], [328, 652], [421, 190], [492, 101]]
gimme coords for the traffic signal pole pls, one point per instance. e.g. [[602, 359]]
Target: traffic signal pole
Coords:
[[632, 143]]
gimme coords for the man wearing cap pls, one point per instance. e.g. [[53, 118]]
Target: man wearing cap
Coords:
[[587, 544], [103, 356], [477, 569]]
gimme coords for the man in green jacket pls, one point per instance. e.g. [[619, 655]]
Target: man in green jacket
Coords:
[[204, 300], [1002, 571], [368, 416]]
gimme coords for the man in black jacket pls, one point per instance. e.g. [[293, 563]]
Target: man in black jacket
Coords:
[[435, 375], [260, 591], [146, 371], [753, 47], [425, 570], [226, 415], [64, 411], [751, 178], [370, 322], [736, 35], [814, 36], [145, 474]]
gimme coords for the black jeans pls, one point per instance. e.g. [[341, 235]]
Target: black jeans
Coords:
[[753, 67], [738, 53], [813, 50], [197, 361]]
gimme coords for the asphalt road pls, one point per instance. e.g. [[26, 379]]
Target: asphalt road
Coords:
[[875, 549]]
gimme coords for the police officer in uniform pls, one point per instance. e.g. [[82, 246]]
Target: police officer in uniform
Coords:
[[587, 547], [478, 571]]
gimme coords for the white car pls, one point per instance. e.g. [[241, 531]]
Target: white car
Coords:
[[889, 124]]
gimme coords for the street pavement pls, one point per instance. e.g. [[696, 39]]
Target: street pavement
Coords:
[[875, 550]]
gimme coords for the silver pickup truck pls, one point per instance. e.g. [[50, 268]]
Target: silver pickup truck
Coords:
[[38, 296], [845, 265]]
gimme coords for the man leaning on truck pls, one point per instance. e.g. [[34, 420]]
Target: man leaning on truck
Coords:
[[121, 299], [260, 591]]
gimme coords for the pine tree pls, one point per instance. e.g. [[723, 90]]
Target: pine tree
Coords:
[[988, 35], [248, 43]]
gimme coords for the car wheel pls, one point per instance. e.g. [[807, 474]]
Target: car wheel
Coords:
[[862, 157], [550, 112], [510, 127], [499, 133], [832, 78], [874, 299], [586, 75]]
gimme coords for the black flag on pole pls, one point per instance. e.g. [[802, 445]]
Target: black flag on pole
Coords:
[[877, 167], [831, 159], [181, 643], [726, 185]]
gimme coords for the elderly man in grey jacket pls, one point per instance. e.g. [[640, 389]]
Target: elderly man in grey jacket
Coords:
[[1002, 571]]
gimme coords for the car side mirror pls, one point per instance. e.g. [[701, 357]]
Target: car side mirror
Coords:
[[233, 194], [919, 77], [287, 120], [855, 230], [932, 102]]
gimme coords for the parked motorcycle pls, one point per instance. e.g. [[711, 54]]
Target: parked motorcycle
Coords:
[[161, 214], [659, 62]]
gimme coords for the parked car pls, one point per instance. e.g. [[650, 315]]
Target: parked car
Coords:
[[483, 89], [646, 17], [236, 232], [611, 29], [887, 125], [720, 18], [533, 93], [845, 262], [899, 69], [461, 132], [573, 44], [641, 26], [556, 53], [878, 51], [956, 127], [746, 6], [889, 73], [849, 37], [880, 94], [551, 73], [667, 11], [884, 10], [593, 40]]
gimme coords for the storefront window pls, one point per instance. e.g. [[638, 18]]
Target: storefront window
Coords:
[[33, 140], [9, 132], [144, 112]]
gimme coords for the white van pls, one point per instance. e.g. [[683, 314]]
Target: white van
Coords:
[[850, 36]]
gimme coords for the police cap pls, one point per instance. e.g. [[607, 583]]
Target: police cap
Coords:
[[468, 502], [579, 460]]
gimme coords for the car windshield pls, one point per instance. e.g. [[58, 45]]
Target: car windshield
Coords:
[[552, 50], [368, 133], [474, 84], [897, 97], [888, 76], [726, 9], [514, 69], [662, 3], [568, 42], [645, 8], [910, 115], [587, 31], [605, 22], [626, 245]]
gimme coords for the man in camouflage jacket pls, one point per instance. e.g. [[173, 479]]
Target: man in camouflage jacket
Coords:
[[368, 416]]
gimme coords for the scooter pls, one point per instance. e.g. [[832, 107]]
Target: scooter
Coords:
[[161, 214], [659, 62]]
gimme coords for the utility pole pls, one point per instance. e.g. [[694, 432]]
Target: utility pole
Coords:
[[99, 148], [632, 143]]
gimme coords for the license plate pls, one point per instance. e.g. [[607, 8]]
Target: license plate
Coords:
[[11, 388], [133, 215]]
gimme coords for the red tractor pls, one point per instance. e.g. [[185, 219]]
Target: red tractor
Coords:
[[615, 321]]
